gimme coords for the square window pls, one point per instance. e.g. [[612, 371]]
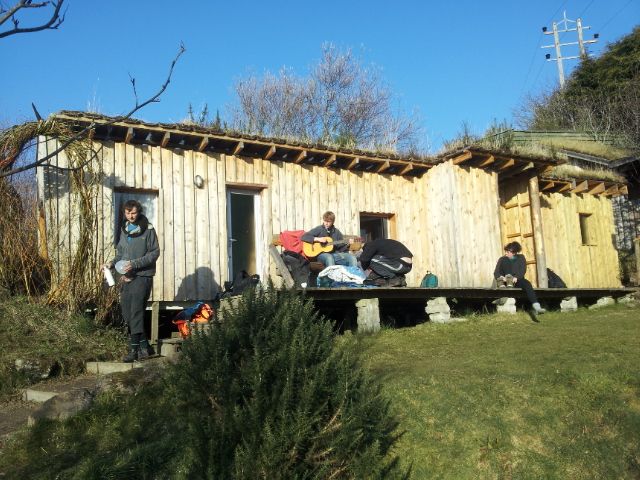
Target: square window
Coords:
[[586, 228], [148, 200]]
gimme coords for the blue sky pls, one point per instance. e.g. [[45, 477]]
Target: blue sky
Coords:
[[452, 61]]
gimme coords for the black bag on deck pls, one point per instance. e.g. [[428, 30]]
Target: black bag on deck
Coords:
[[298, 266], [554, 280], [241, 281]]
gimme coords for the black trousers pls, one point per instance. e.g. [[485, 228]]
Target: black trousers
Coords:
[[388, 267], [525, 285], [133, 301]]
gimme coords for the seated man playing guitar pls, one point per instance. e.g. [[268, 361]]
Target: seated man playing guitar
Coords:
[[328, 243]]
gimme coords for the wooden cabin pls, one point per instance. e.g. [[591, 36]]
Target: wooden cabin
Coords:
[[217, 198]]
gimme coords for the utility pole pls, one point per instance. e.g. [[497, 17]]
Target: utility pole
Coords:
[[567, 28]]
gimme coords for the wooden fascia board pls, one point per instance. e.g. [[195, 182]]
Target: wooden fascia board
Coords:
[[203, 144], [300, 157], [239, 143], [238, 148], [128, 136], [581, 187], [330, 159], [463, 157], [270, 153]]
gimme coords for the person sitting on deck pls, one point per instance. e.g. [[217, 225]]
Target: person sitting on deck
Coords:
[[386, 261], [510, 271], [326, 235]]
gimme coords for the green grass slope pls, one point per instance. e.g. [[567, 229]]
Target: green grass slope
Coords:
[[502, 397]]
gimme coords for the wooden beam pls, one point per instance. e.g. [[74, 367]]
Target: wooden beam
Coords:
[[300, 157], [546, 170], [548, 185], [129, 135], [354, 161], [487, 161], [612, 190], [599, 188], [538, 238], [270, 153], [384, 166], [204, 143], [165, 139], [506, 164], [565, 187], [623, 190], [406, 169], [522, 167], [92, 133], [463, 157], [329, 160], [581, 187], [238, 148], [282, 269]]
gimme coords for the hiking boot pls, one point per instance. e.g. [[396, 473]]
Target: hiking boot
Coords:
[[143, 354], [396, 282], [509, 280], [131, 357], [501, 282]]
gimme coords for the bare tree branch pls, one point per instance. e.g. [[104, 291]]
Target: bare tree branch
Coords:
[[81, 133], [54, 22]]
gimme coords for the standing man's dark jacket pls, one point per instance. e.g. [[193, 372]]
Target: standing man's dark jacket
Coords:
[[516, 267], [140, 247]]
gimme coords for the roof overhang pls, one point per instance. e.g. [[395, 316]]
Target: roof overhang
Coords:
[[200, 139]]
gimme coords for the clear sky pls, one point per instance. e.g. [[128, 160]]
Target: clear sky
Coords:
[[452, 61]]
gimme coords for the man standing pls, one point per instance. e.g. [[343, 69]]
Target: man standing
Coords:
[[387, 261], [325, 233], [138, 247]]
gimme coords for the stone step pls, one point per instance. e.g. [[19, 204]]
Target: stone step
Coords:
[[105, 368], [46, 390]]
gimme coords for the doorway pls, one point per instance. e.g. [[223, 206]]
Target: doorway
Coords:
[[243, 221]]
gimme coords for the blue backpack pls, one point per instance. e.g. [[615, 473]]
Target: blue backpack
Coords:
[[429, 281]]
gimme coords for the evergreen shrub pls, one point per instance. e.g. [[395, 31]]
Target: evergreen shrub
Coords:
[[269, 393]]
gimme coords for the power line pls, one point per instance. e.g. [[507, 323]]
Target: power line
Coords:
[[615, 15], [586, 8]]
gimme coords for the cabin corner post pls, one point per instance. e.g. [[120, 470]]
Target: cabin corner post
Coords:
[[538, 238]]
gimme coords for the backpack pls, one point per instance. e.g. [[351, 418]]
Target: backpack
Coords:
[[197, 313], [554, 280], [429, 281]]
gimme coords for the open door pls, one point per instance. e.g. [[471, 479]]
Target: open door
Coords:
[[243, 229]]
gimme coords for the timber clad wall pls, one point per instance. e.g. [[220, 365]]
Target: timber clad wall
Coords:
[[450, 218], [462, 225], [580, 266]]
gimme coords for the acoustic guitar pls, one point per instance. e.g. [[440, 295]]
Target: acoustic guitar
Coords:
[[314, 249]]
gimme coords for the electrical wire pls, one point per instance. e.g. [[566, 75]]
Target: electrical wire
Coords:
[[615, 15]]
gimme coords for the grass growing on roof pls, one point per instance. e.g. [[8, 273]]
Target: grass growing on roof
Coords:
[[502, 397]]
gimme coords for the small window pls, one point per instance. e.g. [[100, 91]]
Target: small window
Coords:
[[586, 228], [148, 199]]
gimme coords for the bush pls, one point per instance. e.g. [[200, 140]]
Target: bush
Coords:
[[268, 392]]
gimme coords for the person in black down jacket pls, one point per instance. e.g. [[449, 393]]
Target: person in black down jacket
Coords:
[[138, 246], [387, 261], [510, 270]]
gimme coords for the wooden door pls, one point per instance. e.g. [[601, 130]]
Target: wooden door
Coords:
[[515, 217]]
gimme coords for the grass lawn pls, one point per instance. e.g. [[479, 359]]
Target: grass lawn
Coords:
[[499, 396]]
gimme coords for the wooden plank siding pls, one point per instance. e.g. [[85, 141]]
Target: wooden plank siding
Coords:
[[449, 218], [580, 266]]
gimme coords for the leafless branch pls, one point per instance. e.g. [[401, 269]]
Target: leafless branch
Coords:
[[83, 132], [54, 22]]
